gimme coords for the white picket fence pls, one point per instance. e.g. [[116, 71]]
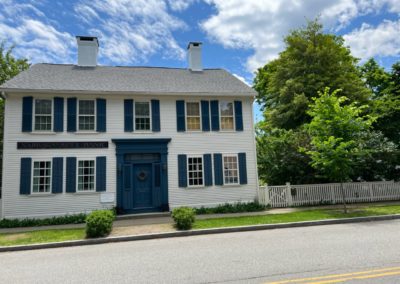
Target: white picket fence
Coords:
[[329, 193]]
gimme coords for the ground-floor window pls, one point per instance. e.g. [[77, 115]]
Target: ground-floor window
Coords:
[[231, 173], [195, 171], [86, 175], [41, 176]]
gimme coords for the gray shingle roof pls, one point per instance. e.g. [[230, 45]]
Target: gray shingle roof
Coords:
[[62, 77]]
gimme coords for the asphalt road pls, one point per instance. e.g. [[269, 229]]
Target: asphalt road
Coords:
[[320, 254]]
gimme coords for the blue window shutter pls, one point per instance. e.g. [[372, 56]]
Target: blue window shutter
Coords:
[[58, 114], [180, 116], [214, 115], [57, 175], [238, 116], [128, 114], [25, 176], [27, 108], [218, 170], [182, 170], [207, 170], [71, 114], [242, 168], [205, 115], [155, 115], [101, 109], [101, 173], [71, 174]]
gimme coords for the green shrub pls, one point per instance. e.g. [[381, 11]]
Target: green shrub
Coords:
[[184, 217], [99, 223], [238, 207], [29, 222]]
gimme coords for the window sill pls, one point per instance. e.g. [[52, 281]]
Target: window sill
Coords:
[[85, 192], [43, 132], [42, 194], [87, 132], [232, 185]]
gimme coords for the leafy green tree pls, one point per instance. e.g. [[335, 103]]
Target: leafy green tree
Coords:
[[375, 77], [279, 158], [386, 100], [312, 60], [336, 131]]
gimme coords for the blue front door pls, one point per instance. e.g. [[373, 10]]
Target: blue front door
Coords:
[[138, 187], [142, 186]]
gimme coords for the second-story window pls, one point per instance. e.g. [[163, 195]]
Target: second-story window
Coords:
[[227, 115], [142, 116], [43, 115], [87, 115], [193, 116]]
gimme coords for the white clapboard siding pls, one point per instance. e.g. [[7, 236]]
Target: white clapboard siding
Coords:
[[329, 193], [16, 205]]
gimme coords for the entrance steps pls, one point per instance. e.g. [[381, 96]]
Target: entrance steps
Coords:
[[143, 215]]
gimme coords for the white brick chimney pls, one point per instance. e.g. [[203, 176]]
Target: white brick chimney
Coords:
[[194, 56], [88, 47]]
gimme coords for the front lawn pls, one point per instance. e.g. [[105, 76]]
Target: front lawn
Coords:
[[46, 236], [310, 215]]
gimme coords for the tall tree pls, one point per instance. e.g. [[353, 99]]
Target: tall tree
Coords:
[[336, 131], [386, 100], [311, 61]]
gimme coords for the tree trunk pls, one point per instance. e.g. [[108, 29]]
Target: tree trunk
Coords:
[[343, 198]]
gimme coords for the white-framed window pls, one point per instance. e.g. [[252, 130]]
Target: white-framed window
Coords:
[[231, 169], [43, 114], [41, 177], [195, 171], [227, 116], [193, 118], [142, 116], [86, 115], [86, 175]]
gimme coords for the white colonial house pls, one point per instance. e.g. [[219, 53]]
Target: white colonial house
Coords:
[[144, 139]]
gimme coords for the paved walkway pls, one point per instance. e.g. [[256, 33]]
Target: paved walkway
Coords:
[[141, 224]]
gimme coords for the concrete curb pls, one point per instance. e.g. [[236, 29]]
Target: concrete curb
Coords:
[[199, 232]]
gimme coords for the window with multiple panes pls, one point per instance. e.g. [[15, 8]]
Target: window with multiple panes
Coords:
[[142, 116], [226, 115], [86, 175], [193, 116], [43, 115], [41, 176], [86, 115], [195, 171], [231, 173]]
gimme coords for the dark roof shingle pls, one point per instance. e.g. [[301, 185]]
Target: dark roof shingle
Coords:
[[63, 77]]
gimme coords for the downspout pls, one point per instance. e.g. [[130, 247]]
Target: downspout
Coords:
[[255, 147], [3, 96]]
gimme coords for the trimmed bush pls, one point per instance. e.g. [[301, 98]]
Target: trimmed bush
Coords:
[[239, 207], [184, 217], [99, 223], [28, 222]]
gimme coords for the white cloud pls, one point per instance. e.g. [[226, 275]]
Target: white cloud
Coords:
[[260, 25], [132, 31], [26, 26], [180, 5], [369, 41]]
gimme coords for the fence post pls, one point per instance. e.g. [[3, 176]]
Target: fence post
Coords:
[[371, 192], [288, 194], [266, 195]]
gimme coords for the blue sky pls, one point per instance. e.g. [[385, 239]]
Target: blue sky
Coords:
[[237, 35]]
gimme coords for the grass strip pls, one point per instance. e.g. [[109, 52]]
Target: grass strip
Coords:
[[45, 236], [309, 215]]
